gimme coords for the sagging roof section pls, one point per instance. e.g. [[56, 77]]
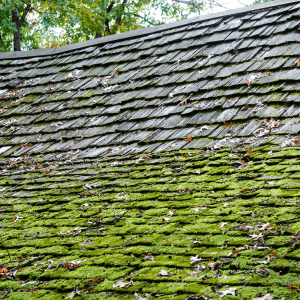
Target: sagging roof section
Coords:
[[160, 165]]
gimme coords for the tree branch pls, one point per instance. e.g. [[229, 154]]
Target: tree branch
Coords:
[[196, 4], [28, 262], [145, 19], [5, 294], [119, 18], [189, 2], [26, 11], [242, 3], [109, 8]]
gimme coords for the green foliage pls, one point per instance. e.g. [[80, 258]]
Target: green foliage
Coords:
[[61, 22], [6, 25]]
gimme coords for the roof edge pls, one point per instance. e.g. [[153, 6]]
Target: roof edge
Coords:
[[140, 32]]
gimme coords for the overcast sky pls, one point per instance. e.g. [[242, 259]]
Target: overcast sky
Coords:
[[232, 4]]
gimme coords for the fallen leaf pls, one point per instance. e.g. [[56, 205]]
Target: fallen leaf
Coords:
[[122, 284], [171, 213], [273, 254], [230, 291], [3, 272], [138, 297], [195, 259], [149, 257], [73, 294], [260, 262], [294, 287], [264, 226], [163, 273], [223, 225], [189, 139], [17, 218], [198, 208]]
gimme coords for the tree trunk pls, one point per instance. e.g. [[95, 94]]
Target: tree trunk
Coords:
[[17, 40], [19, 21]]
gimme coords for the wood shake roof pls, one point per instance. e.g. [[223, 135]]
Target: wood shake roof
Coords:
[[161, 163]]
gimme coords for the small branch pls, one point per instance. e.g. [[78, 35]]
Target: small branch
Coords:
[[194, 3], [112, 221], [26, 11], [145, 19], [28, 262], [6, 294], [44, 12], [189, 2], [108, 10], [110, 6], [116, 218], [119, 18], [166, 288], [242, 3], [139, 273], [288, 220], [127, 295]]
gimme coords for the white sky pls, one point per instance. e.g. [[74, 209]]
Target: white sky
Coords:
[[231, 4]]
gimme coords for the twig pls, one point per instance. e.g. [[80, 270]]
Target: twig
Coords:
[[245, 284], [131, 280], [28, 262], [127, 295], [116, 218], [139, 273], [6, 294], [242, 3], [144, 18], [165, 288], [286, 220]]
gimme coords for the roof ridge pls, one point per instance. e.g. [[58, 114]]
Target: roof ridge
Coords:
[[141, 32]]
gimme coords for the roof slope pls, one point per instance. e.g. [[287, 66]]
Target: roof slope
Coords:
[[158, 165]]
